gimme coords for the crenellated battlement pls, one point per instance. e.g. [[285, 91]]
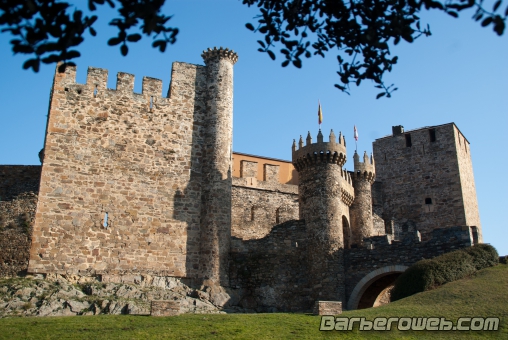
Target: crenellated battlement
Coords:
[[221, 53], [97, 82], [365, 170], [347, 189], [321, 152]]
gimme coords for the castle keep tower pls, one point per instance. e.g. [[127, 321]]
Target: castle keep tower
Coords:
[[216, 216], [325, 193], [438, 158], [138, 183], [361, 209]]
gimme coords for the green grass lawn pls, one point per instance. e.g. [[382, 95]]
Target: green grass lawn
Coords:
[[484, 295]]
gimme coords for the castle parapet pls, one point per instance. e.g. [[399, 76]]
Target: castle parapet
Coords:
[[97, 83], [321, 152], [221, 53]]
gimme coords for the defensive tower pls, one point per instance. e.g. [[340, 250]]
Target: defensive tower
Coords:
[[361, 209], [324, 192], [216, 217]]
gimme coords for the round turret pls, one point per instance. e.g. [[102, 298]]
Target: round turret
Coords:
[[361, 210], [216, 223], [320, 189]]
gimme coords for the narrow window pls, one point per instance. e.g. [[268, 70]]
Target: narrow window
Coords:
[[252, 213], [277, 219], [95, 91], [408, 140], [385, 156], [105, 224], [474, 231], [428, 200], [423, 149], [432, 135], [151, 103]]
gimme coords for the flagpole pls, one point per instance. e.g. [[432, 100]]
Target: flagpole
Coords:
[[356, 139]]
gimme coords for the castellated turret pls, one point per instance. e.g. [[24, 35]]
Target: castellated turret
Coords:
[[216, 217], [361, 209], [325, 193]]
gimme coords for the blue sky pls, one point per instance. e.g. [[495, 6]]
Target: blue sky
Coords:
[[459, 74]]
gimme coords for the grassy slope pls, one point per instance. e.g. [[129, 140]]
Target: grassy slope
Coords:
[[484, 295]]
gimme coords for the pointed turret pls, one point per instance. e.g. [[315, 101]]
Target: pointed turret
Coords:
[[320, 137], [309, 139], [332, 137]]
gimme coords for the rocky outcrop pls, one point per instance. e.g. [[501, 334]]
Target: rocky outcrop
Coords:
[[62, 296]]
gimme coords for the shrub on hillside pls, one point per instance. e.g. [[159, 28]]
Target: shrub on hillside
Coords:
[[427, 274], [484, 255]]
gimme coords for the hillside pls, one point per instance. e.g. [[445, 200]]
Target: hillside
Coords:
[[483, 295]]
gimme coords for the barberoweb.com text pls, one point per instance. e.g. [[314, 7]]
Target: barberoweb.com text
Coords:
[[331, 323]]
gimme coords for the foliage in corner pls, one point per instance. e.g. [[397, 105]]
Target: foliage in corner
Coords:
[[427, 274], [48, 31], [359, 30]]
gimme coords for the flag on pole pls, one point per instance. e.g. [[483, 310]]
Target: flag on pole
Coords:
[[356, 134], [320, 114]]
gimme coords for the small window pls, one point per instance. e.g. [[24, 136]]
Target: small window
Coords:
[[408, 140], [428, 200], [432, 135], [277, 218], [105, 224], [252, 213]]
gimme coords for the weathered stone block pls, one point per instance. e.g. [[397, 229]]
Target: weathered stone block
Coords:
[[165, 308], [328, 308]]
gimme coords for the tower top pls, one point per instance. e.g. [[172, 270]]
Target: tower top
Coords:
[[221, 53], [366, 169], [321, 152]]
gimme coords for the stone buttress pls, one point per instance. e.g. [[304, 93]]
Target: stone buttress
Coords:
[[325, 193]]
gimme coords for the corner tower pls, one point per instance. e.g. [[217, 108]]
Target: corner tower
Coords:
[[361, 209], [216, 198], [325, 193]]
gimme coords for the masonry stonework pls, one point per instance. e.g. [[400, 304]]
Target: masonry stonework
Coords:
[[427, 178], [137, 186]]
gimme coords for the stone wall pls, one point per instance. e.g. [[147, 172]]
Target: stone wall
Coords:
[[467, 183], [421, 178], [17, 179], [121, 178], [19, 185], [273, 270], [16, 217], [257, 206]]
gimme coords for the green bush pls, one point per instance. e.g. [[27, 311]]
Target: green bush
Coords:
[[484, 255], [428, 274]]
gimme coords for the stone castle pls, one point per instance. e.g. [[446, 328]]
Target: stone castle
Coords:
[[136, 186]]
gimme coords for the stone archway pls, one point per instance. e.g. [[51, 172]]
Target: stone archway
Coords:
[[384, 276]]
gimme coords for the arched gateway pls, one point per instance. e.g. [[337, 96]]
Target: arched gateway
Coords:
[[387, 274]]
